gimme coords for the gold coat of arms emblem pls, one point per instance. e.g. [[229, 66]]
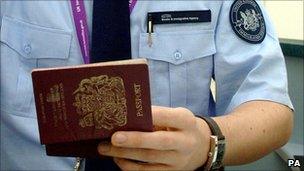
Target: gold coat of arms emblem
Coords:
[[101, 102]]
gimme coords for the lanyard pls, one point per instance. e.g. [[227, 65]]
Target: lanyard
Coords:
[[80, 20]]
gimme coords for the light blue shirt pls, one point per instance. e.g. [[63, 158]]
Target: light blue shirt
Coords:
[[182, 61]]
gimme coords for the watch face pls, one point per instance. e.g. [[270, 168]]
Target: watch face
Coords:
[[220, 154]]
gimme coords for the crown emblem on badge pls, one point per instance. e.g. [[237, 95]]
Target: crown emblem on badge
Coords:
[[250, 20], [101, 103]]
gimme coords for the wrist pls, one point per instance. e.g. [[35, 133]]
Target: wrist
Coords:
[[205, 134]]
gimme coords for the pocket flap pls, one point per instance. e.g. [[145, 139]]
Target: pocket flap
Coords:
[[177, 47], [32, 41]]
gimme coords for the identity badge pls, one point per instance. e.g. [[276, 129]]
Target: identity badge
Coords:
[[176, 17]]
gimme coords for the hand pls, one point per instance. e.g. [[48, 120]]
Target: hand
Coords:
[[181, 143]]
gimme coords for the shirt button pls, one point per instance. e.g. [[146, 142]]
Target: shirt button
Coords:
[[27, 48], [178, 55]]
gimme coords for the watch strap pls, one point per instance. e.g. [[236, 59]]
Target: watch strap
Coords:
[[215, 129]]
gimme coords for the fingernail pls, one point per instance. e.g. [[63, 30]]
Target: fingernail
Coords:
[[103, 148], [120, 138]]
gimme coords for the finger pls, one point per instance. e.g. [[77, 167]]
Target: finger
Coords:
[[159, 140], [131, 165], [143, 155], [179, 118]]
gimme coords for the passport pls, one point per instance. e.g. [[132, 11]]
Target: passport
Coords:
[[80, 106]]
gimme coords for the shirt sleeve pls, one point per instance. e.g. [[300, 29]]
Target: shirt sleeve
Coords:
[[244, 71]]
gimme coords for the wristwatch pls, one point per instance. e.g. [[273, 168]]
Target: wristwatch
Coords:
[[217, 146]]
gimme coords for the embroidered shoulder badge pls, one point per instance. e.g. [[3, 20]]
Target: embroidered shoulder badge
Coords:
[[247, 21]]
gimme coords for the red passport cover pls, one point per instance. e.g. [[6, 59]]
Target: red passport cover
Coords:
[[79, 106]]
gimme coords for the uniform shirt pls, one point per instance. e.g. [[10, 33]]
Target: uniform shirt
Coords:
[[182, 61]]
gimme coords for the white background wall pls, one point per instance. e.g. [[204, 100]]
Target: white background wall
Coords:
[[287, 16]]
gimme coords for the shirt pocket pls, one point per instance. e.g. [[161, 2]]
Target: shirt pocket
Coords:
[[49, 47], [25, 46], [181, 66]]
